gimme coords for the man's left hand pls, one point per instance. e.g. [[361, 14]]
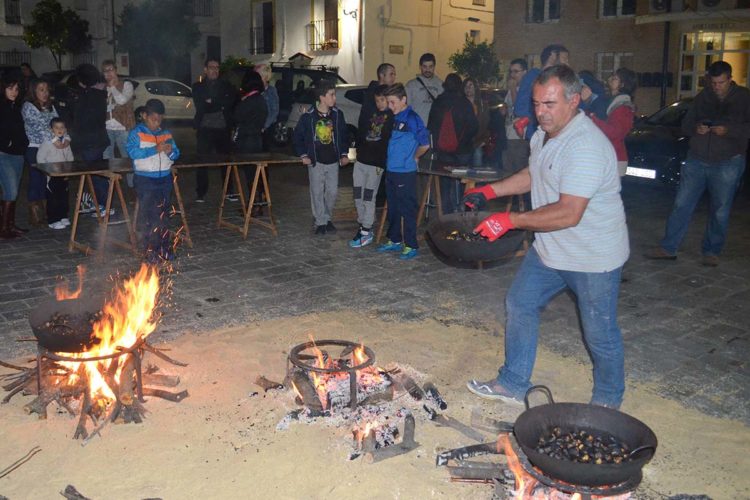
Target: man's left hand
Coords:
[[719, 130], [494, 226]]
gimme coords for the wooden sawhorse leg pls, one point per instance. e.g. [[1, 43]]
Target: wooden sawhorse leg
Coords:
[[185, 229], [432, 180], [260, 175], [113, 187]]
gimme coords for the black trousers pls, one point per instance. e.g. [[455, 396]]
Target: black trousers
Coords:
[[211, 141], [57, 199]]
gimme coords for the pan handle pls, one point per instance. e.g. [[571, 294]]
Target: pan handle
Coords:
[[643, 448], [538, 388]]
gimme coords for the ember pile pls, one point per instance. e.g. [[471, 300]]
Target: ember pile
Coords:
[[462, 236], [99, 376], [378, 405]]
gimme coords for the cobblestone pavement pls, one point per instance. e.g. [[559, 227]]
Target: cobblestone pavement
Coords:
[[684, 325]]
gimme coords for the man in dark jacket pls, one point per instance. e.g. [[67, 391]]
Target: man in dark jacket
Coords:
[[453, 145], [718, 123], [214, 100], [88, 133]]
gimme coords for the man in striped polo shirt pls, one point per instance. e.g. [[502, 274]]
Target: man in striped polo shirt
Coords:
[[581, 240]]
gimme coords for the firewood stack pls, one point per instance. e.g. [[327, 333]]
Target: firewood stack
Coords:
[[70, 389]]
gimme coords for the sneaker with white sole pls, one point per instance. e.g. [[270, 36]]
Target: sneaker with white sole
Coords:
[[65, 221], [361, 239], [103, 212], [57, 225], [492, 390]]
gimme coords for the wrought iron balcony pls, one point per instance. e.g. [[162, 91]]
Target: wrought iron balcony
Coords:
[[324, 34]]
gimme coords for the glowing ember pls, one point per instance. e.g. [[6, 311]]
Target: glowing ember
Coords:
[[62, 292], [528, 488], [333, 388]]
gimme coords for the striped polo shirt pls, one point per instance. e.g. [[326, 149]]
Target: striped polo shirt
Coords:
[[580, 161]]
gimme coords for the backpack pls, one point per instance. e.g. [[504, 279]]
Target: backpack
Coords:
[[447, 138]]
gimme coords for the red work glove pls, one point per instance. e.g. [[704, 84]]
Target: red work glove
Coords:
[[476, 198], [495, 226], [520, 126]]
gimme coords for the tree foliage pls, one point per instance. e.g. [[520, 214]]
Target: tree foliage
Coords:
[[60, 31], [476, 60], [158, 32]]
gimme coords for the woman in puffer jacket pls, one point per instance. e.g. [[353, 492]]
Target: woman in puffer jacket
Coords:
[[620, 113]]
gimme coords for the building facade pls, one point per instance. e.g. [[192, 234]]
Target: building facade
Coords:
[[647, 36], [354, 36]]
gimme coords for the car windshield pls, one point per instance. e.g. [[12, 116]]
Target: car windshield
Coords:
[[671, 116]]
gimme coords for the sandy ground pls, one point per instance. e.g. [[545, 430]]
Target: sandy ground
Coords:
[[220, 443]]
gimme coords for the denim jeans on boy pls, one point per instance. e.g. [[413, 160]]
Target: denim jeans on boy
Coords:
[[11, 168], [721, 179], [37, 188], [153, 203], [533, 287]]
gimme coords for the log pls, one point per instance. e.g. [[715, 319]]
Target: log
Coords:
[[81, 431], [39, 403], [267, 385], [161, 379], [126, 381], [306, 389], [158, 353], [175, 397], [72, 494]]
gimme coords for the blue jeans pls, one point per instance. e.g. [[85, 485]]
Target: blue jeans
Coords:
[[118, 138], [721, 179], [153, 202], [11, 168], [452, 190], [533, 287], [37, 188]]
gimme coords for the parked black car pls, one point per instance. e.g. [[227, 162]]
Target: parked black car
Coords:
[[292, 84], [656, 145]]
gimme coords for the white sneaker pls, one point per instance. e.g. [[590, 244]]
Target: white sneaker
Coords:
[[103, 212], [57, 225], [65, 221]]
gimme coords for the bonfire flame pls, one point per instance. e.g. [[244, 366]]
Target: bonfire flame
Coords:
[[126, 319], [62, 292], [321, 381], [527, 488], [362, 432]]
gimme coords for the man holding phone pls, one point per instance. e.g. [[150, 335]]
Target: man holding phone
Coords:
[[718, 123]]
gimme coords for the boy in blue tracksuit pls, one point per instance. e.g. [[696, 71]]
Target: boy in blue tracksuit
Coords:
[[409, 141], [153, 151], [320, 140]]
